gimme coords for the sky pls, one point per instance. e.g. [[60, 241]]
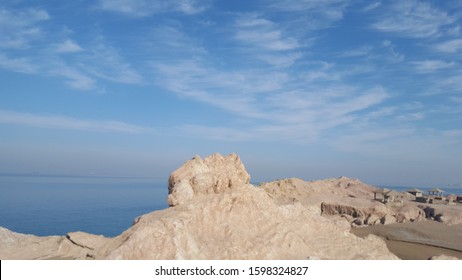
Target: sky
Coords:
[[297, 88]]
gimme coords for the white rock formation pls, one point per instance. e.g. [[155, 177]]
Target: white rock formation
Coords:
[[78, 245], [217, 214], [198, 177]]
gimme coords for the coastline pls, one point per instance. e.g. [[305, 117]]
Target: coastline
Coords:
[[215, 213]]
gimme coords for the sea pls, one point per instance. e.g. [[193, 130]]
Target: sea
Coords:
[[55, 205]]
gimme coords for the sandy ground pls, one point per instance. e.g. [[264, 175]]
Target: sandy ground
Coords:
[[418, 241]]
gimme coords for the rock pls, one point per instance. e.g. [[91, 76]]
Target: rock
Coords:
[[198, 177], [443, 257], [369, 212], [217, 214], [429, 212], [226, 218], [349, 218], [409, 213], [372, 219], [357, 222], [440, 218], [244, 223], [387, 219], [86, 240], [26, 246]]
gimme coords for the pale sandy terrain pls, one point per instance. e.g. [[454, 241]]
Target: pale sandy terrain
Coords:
[[418, 241]]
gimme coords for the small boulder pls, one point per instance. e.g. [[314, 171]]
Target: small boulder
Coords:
[[443, 257]]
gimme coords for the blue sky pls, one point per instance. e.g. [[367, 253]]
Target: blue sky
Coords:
[[310, 89]]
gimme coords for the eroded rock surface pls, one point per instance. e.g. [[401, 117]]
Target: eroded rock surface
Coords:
[[25, 246], [198, 177], [216, 213]]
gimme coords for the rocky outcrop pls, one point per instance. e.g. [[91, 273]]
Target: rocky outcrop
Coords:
[[216, 213], [356, 212], [198, 177], [343, 197], [241, 224], [447, 214], [408, 213], [77, 245]]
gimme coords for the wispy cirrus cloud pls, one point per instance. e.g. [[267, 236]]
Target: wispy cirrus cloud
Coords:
[[414, 19], [105, 62], [142, 8], [372, 6], [64, 122], [21, 34], [358, 52], [283, 102], [275, 103], [75, 78], [451, 46], [267, 41], [68, 46], [262, 33], [325, 11], [429, 66], [19, 27], [18, 64]]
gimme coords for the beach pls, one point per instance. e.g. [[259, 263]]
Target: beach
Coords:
[[419, 240]]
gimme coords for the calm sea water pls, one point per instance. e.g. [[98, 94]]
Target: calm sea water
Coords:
[[57, 205]]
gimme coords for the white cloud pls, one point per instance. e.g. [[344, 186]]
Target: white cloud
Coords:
[[415, 19], [410, 117], [326, 11], [18, 28], [63, 122], [278, 105], [21, 65], [429, 66], [142, 8], [68, 46], [266, 41], [372, 6], [76, 79], [393, 55], [281, 61], [452, 46], [264, 34], [360, 51]]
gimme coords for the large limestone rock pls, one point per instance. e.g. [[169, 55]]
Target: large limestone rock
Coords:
[[244, 223], [198, 177], [219, 215]]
